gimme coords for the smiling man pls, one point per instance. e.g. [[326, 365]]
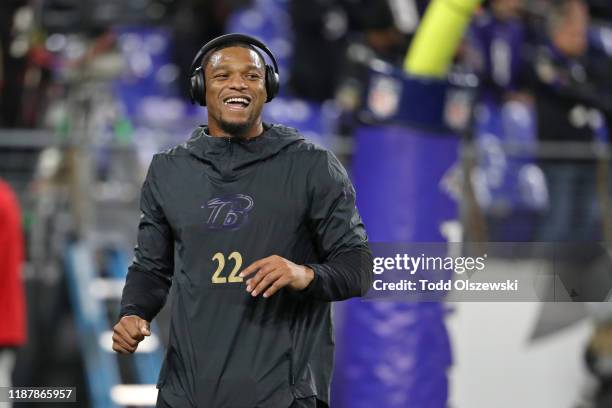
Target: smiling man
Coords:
[[257, 230], [234, 107]]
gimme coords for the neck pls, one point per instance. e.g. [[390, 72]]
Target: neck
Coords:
[[215, 130]]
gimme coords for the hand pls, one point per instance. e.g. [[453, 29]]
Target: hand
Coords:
[[130, 331], [274, 273]]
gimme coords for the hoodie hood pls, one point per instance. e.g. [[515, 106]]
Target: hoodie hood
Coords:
[[231, 158]]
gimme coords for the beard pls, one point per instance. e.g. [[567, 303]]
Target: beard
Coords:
[[239, 130], [236, 130]]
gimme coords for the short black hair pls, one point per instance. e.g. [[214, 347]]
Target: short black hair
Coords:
[[241, 44]]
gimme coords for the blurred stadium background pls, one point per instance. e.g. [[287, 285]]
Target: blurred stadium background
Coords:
[[458, 121]]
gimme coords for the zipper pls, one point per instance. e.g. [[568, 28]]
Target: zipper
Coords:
[[230, 148], [291, 373]]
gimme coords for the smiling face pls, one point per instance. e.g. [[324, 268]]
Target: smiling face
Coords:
[[235, 92], [570, 31]]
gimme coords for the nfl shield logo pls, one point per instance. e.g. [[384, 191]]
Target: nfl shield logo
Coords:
[[384, 96]]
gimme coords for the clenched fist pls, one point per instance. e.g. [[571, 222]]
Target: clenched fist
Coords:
[[130, 331]]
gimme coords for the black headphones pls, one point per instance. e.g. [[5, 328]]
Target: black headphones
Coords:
[[197, 82]]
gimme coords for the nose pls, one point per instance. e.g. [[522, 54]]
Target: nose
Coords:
[[237, 82]]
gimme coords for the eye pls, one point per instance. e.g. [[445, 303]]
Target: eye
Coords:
[[253, 76], [220, 75]]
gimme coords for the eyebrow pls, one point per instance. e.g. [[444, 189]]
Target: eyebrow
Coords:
[[227, 66]]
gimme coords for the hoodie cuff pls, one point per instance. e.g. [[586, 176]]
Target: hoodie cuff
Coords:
[[316, 282], [132, 310]]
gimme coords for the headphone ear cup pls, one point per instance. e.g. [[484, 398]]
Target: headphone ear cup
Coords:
[[197, 89], [272, 83], [202, 87]]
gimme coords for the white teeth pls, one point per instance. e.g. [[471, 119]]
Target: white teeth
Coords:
[[239, 100]]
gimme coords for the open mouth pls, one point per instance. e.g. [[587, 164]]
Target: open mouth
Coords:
[[237, 102]]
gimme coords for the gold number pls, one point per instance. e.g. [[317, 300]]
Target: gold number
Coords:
[[233, 278], [221, 260], [238, 263]]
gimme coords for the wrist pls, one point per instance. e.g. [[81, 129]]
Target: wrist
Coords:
[[313, 278], [309, 275]]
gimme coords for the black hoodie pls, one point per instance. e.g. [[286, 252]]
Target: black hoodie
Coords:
[[220, 204]]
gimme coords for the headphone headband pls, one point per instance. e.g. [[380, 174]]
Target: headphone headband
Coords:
[[229, 38], [197, 82]]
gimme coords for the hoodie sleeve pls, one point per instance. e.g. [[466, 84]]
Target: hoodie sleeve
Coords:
[[339, 233], [150, 275]]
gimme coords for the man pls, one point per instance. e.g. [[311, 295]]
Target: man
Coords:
[[241, 192], [572, 101], [495, 42], [571, 106]]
